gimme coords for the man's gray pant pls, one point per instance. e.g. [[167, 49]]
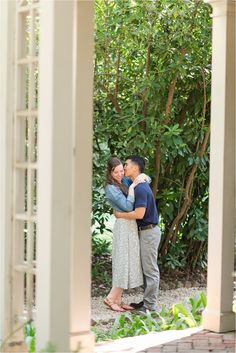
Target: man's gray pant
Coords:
[[149, 243]]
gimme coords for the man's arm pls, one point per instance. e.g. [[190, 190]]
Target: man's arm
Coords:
[[138, 213]]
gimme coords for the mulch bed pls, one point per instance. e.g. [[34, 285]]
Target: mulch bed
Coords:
[[170, 279]]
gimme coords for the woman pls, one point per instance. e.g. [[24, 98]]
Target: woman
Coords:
[[126, 265]]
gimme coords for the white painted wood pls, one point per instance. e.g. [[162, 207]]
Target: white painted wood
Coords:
[[25, 268], [25, 217], [27, 8], [55, 175], [18, 202], [26, 165], [25, 113], [7, 29], [28, 60], [81, 337], [24, 170], [30, 178], [218, 315]]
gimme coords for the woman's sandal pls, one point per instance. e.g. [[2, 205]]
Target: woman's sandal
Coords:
[[126, 306], [113, 306]]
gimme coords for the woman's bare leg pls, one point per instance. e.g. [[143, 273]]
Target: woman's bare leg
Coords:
[[115, 295]]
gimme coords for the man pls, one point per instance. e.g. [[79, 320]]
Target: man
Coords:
[[145, 213]]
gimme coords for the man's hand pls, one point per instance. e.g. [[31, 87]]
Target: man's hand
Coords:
[[138, 213]]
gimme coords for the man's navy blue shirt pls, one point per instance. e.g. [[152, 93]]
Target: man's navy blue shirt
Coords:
[[144, 198]]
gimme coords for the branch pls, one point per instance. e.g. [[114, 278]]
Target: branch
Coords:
[[112, 98], [169, 103], [117, 76], [184, 109], [157, 168], [170, 99], [187, 197], [145, 93], [205, 98], [172, 87]]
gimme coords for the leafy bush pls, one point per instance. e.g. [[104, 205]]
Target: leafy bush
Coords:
[[176, 256], [100, 246], [101, 273], [101, 261], [152, 97]]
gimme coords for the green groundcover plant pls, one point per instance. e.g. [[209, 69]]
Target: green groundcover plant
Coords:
[[178, 317], [30, 337]]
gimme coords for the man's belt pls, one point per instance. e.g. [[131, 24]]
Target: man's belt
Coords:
[[149, 226]]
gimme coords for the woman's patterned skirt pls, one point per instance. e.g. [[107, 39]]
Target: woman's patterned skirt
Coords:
[[126, 264]]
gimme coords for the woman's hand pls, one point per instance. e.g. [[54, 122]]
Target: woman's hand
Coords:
[[141, 178]]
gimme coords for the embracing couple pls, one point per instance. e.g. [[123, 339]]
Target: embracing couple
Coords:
[[136, 235]]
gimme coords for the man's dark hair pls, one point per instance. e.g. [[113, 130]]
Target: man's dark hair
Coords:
[[139, 161]]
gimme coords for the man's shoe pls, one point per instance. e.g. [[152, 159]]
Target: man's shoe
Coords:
[[136, 305], [143, 310]]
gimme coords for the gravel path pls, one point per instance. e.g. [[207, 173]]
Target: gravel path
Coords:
[[100, 313]]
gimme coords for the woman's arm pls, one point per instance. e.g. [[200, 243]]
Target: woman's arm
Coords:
[[116, 198], [141, 178]]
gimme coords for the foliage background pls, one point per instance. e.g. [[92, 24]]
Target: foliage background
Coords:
[[152, 97]]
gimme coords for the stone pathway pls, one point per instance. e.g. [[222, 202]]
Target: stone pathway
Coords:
[[201, 342]]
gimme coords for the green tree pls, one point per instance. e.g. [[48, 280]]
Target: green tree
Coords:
[[152, 97]]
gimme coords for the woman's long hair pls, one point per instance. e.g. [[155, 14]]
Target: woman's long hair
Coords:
[[112, 163]]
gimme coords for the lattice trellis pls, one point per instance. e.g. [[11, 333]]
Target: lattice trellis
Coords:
[[25, 158]]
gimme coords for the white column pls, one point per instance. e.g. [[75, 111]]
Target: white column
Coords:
[[218, 315], [7, 22], [55, 174], [81, 337]]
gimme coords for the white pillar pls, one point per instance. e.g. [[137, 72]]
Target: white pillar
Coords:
[[7, 22], [218, 315], [81, 337], [55, 174]]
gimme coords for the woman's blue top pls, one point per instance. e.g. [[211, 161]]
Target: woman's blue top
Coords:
[[117, 199]]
